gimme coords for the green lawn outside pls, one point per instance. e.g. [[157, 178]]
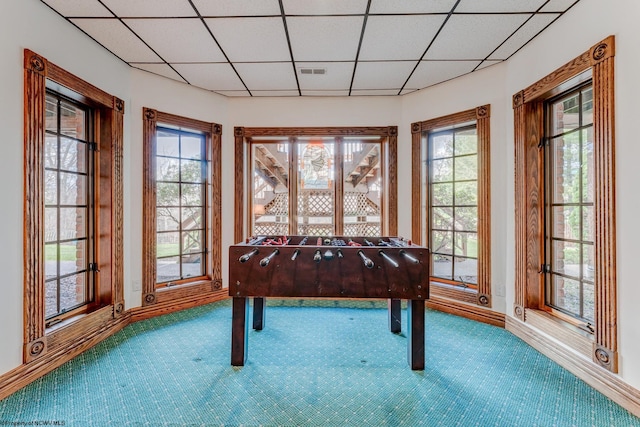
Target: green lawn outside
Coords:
[[67, 252]]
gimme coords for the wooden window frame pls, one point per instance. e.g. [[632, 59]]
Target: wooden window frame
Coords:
[[481, 295], [244, 135], [108, 309], [528, 104], [198, 287]]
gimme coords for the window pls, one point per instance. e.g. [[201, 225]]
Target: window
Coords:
[[565, 230], [316, 181], [450, 172], [73, 211], [68, 206], [453, 205], [569, 190], [181, 199]]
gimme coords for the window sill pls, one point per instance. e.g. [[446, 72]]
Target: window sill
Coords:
[[468, 295], [563, 331]]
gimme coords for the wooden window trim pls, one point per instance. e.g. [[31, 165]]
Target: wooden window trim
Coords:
[[200, 286], [243, 136], [528, 129], [39, 341], [419, 131]]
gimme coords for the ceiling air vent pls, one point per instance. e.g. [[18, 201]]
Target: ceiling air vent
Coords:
[[313, 71]]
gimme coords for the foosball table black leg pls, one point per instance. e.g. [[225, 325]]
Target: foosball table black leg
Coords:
[[415, 334], [395, 319], [239, 331], [258, 313]]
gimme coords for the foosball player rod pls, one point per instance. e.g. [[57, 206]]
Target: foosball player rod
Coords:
[[317, 256], [295, 254], [366, 260], [266, 260], [410, 257], [340, 254], [388, 258], [246, 257]]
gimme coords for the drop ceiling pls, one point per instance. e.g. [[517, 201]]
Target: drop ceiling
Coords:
[[311, 47]]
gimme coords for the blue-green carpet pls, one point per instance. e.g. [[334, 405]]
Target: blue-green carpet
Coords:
[[310, 366]]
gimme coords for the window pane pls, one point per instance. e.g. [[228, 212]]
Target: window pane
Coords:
[[466, 244], [442, 170], [167, 219], [191, 147], [466, 167], [466, 142], [73, 189], [167, 194], [588, 223], [442, 242], [588, 263], [465, 270], [50, 224], [51, 111], [191, 218], [168, 244], [73, 155], [73, 291], [73, 223], [192, 266], [167, 169], [51, 260], [50, 151], [270, 207], [168, 269], [192, 194], [190, 171], [50, 187], [566, 222], [316, 188], [566, 294], [588, 301], [442, 218], [167, 144], [566, 168], [192, 242], [566, 258], [466, 219], [362, 188], [442, 267], [466, 193], [441, 146], [566, 115], [72, 120], [587, 106], [50, 298], [442, 194], [73, 256]]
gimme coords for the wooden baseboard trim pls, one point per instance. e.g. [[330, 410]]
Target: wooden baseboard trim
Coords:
[[26, 373], [607, 383], [468, 311], [158, 309]]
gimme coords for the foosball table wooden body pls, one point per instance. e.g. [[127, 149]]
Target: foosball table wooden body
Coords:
[[338, 267]]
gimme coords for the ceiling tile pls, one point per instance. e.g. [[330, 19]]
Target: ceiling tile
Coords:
[[382, 75], [139, 8], [473, 36], [216, 77], [529, 30], [267, 76], [237, 7], [324, 7], [486, 64], [337, 76], [325, 93], [499, 6], [232, 92], [251, 39], [411, 6], [159, 69], [430, 73], [325, 38], [558, 5], [374, 92], [275, 93], [117, 38], [398, 37], [178, 40], [88, 8]]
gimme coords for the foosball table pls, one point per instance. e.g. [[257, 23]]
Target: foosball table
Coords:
[[389, 268]]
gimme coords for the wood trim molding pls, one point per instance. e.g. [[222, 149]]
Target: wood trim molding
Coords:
[[117, 214], [419, 131], [468, 311], [244, 135], [597, 376], [528, 129], [212, 131], [177, 304]]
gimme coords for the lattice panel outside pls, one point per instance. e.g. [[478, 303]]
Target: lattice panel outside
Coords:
[[315, 230], [271, 229], [362, 229], [315, 203], [278, 206], [358, 204]]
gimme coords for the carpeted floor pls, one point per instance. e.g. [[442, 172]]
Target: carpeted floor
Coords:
[[311, 366]]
